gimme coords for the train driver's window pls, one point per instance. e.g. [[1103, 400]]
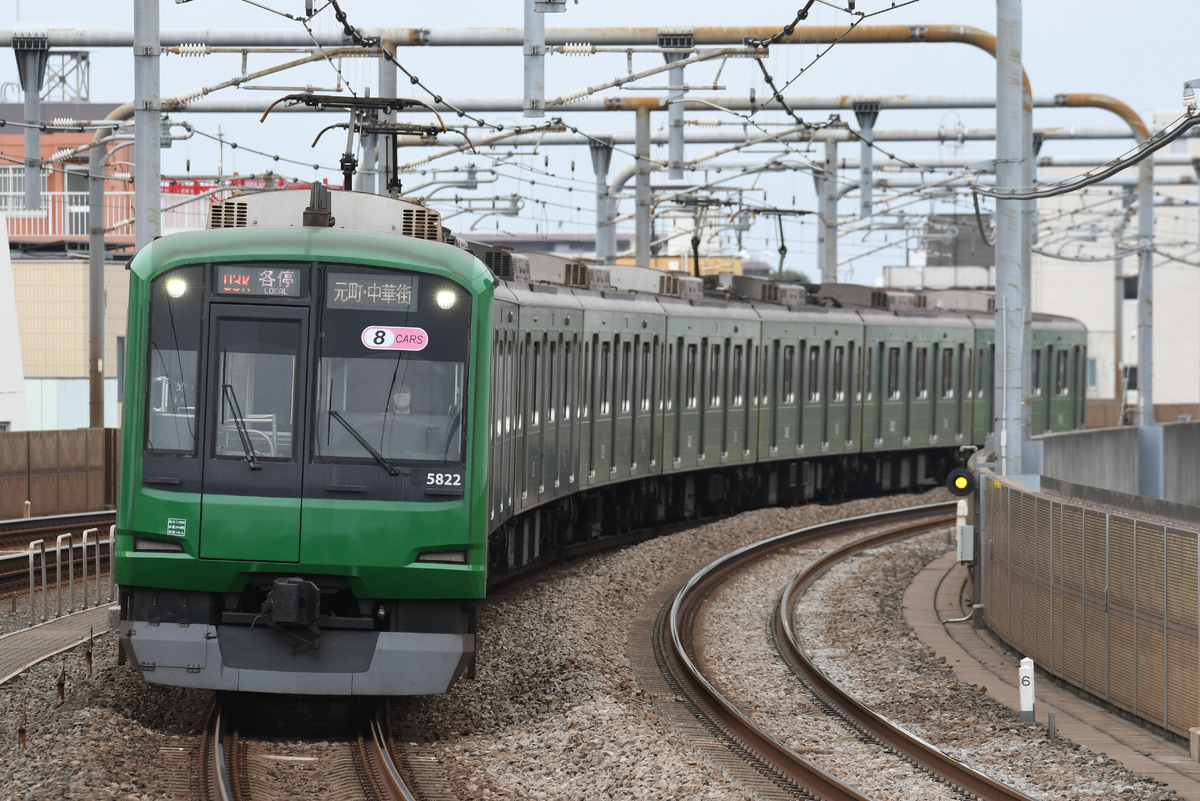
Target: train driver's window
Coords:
[[1037, 372], [392, 371], [176, 304]]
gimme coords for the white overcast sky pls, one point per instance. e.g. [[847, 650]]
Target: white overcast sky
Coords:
[[1140, 53]]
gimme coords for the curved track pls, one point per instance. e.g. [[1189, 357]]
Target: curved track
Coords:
[[797, 776], [911, 748]]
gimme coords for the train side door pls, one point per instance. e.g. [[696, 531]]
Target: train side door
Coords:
[[257, 377]]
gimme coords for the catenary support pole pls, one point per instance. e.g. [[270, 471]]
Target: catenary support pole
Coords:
[[675, 117], [827, 226], [642, 151], [1028, 208], [535, 62], [96, 253], [32, 52], [867, 114], [387, 88], [1008, 389], [147, 197], [601, 159]]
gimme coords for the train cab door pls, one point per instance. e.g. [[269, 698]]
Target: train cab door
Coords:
[[257, 379]]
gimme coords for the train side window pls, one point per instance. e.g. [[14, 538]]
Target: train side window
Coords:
[[605, 362], [552, 400], [508, 372], [1037, 372], [669, 397], [814, 373], [867, 386], [1061, 381], [535, 402], [948, 373], [566, 382], [646, 400], [839, 377], [737, 376], [691, 377], [789, 370], [626, 368], [968, 372], [714, 377], [588, 376], [980, 375], [853, 376], [893, 374], [920, 390]]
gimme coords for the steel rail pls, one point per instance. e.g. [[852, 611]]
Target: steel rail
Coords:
[[914, 749], [374, 741], [770, 756], [215, 782], [13, 532]]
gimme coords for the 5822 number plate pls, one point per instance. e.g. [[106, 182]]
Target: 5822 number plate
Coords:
[[444, 482]]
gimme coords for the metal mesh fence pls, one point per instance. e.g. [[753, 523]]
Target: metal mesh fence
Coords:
[[1102, 600]]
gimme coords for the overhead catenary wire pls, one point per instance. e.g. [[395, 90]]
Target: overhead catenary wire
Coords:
[[1156, 142]]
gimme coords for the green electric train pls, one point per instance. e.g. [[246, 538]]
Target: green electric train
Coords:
[[339, 419]]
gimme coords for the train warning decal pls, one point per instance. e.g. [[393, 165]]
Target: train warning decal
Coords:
[[383, 337]]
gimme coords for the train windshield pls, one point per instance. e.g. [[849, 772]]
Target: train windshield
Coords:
[[392, 367]]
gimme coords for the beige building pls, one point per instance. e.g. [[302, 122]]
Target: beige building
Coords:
[[51, 300]]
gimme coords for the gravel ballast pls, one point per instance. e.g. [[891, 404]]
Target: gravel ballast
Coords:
[[557, 711]]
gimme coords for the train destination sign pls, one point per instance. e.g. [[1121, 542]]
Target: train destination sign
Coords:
[[384, 337], [284, 282], [361, 290]]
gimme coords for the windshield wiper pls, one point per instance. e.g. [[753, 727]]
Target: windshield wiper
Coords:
[[362, 441], [243, 434]]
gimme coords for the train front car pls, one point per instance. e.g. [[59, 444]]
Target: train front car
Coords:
[[303, 495]]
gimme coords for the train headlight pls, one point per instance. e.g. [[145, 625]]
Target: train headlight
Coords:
[[446, 299], [176, 287]]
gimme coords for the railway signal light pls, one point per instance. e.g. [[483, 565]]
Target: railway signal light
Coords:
[[960, 482]]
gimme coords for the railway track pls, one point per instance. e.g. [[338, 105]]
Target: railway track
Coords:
[[797, 777], [239, 762], [16, 534], [49, 560]]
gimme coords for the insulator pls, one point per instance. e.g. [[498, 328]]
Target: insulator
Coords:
[[188, 97], [62, 155], [194, 50], [579, 49], [121, 176], [571, 98], [63, 122]]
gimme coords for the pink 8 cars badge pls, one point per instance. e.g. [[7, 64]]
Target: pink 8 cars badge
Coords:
[[382, 337]]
